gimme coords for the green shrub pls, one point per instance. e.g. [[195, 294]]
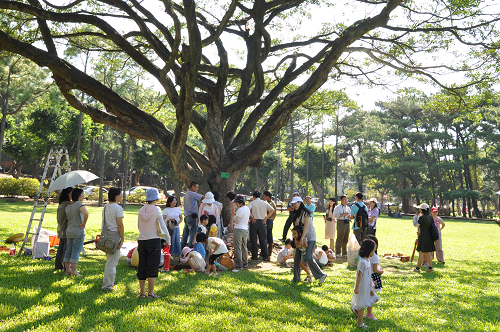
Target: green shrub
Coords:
[[139, 196], [95, 195], [28, 187], [9, 186]]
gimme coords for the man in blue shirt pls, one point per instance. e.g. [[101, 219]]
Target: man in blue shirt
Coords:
[[359, 232], [191, 200], [310, 205]]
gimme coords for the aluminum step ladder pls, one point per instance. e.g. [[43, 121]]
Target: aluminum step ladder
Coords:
[[53, 161]]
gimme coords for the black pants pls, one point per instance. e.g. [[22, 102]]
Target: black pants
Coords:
[[288, 224], [149, 258], [61, 250], [258, 228]]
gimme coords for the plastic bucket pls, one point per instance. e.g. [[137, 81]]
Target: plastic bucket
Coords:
[[53, 240]]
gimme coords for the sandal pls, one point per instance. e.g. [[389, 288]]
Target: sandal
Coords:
[[430, 269], [143, 296], [153, 296], [76, 274], [372, 317], [308, 279]]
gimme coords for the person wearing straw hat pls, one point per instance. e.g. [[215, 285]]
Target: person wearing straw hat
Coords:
[[149, 242], [425, 243]]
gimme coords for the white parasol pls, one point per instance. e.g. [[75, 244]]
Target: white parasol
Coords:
[[71, 179]]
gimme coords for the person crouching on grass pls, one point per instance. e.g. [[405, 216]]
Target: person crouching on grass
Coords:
[[217, 248]]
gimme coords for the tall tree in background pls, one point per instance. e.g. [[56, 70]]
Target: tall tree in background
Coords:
[[184, 47]]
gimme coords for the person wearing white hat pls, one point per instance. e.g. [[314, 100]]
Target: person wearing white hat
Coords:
[[373, 214], [425, 243], [208, 208], [302, 218]]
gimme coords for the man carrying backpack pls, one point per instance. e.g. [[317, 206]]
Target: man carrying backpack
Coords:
[[360, 215]]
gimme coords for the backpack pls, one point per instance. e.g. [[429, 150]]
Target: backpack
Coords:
[[361, 219], [434, 232]]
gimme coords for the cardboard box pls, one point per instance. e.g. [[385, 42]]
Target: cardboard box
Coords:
[[41, 250]]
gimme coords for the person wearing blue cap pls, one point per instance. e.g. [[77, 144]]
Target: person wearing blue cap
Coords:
[[151, 225]]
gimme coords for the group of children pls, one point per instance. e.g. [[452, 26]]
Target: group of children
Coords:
[[204, 246]]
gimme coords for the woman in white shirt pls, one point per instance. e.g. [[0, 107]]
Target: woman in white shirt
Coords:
[[240, 234], [172, 216]]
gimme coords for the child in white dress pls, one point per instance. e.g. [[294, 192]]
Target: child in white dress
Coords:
[[364, 295]]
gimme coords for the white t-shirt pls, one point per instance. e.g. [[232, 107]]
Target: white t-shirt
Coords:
[[374, 261], [282, 253], [324, 258], [113, 211], [172, 213], [212, 242], [241, 218]]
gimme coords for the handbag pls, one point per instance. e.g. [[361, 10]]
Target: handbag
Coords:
[[108, 240], [434, 232], [377, 280], [227, 262]]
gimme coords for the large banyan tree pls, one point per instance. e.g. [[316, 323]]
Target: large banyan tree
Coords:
[[227, 66]]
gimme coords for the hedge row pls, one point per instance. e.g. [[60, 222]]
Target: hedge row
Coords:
[[19, 187]]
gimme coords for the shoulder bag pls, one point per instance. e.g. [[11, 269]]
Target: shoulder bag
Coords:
[[108, 240]]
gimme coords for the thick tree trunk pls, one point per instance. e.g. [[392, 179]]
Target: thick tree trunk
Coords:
[[321, 195]]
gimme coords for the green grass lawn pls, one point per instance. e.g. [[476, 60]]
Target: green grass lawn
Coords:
[[462, 295]]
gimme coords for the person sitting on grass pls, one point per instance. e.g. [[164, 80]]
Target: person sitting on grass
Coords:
[[217, 248], [329, 254], [285, 253], [320, 257]]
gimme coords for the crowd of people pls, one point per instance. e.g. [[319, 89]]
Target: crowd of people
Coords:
[[205, 239]]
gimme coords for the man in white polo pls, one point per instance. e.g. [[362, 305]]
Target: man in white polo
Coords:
[[259, 211]]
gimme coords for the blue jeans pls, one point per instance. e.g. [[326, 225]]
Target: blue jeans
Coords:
[[189, 231], [288, 224], [73, 249], [313, 266]]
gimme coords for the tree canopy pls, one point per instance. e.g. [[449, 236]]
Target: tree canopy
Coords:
[[229, 66]]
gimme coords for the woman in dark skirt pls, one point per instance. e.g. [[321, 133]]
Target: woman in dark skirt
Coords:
[[425, 243]]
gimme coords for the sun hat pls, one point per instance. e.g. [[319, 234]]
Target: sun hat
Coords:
[[186, 250], [434, 209], [152, 195], [295, 200], [209, 198], [423, 206], [374, 200]]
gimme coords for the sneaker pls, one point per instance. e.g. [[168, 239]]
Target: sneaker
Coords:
[[235, 270], [372, 317], [213, 274], [425, 265], [322, 279], [430, 269], [308, 279], [417, 269]]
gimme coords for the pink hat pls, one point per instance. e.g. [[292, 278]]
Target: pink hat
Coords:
[[185, 251], [434, 209]]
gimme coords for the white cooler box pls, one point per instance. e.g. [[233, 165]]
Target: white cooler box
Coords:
[[42, 250]]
